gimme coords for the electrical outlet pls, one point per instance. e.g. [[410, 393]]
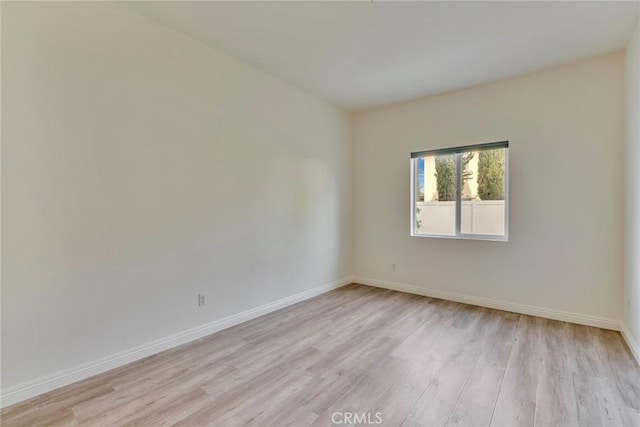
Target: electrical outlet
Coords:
[[202, 300]]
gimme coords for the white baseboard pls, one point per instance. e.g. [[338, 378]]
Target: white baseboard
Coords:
[[631, 342], [547, 313], [58, 379]]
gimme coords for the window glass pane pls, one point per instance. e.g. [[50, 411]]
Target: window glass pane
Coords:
[[483, 192], [436, 195]]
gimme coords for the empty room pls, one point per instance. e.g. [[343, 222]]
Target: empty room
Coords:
[[310, 213]]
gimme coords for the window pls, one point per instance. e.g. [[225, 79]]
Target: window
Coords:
[[461, 192]]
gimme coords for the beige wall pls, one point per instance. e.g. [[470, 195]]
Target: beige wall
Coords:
[[632, 155], [140, 168], [565, 129]]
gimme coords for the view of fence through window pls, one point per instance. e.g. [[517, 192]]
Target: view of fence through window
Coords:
[[480, 193]]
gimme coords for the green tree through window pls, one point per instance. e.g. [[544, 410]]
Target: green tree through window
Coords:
[[491, 174], [446, 174]]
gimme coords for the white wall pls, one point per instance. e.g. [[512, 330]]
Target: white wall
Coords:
[[632, 155], [565, 128], [140, 167]]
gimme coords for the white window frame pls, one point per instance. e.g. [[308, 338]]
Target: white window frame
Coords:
[[458, 151]]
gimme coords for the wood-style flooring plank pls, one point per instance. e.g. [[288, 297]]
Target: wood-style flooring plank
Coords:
[[516, 401]]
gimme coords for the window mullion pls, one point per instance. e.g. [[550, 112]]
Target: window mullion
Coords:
[[414, 191], [458, 193]]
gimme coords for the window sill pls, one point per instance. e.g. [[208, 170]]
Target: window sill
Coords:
[[465, 237]]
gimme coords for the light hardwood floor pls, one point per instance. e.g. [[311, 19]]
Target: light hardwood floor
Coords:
[[416, 361]]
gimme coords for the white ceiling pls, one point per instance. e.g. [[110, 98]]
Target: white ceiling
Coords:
[[360, 55]]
